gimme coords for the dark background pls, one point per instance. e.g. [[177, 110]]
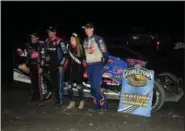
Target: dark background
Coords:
[[19, 19]]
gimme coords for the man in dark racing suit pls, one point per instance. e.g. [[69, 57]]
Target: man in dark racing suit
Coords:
[[56, 53], [34, 58]]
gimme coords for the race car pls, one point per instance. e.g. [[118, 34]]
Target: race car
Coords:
[[164, 55], [111, 78]]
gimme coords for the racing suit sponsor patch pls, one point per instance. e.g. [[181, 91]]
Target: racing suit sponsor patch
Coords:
[[92, 51]]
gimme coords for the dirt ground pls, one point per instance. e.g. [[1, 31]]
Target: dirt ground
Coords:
[[18, 114]]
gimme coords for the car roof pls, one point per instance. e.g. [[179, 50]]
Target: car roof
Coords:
[[123, 50]]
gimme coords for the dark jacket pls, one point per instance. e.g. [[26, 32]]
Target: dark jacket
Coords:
[[56, 50], [34, 52], [75, 66]]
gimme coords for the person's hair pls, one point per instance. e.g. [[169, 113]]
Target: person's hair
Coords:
[[79, 48]]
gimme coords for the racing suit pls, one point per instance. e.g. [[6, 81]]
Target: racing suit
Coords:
[[76, 69], [56, 53], [33, 61], [96, 56]]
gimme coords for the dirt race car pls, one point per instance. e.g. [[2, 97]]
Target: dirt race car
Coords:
[[111, 78]]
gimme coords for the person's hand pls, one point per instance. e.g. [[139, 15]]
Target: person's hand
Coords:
[[102, 60], [20, 52], [63, 61]]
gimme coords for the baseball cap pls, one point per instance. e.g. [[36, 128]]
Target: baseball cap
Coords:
[[74, 34], [52, 29], [34, 35], [88, 25]]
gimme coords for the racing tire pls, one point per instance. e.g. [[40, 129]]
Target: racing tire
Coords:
[[168, 74], [158, 96], [172, 77]]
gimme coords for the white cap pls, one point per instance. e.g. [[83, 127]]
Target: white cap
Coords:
[[75, 34]]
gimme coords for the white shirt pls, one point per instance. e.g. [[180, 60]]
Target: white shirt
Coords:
[[92, 51]]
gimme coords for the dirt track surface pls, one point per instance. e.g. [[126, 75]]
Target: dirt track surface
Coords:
[[18, 114]]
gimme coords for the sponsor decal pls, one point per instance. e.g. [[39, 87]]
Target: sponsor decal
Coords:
[[118, 70], [133, 62], [90, 46], [110, 61], [106, 67], [91, 50], [34, 54], [108, 81], [137, 76], [119, 77], [111, 82], [107, 75], [85, 74]]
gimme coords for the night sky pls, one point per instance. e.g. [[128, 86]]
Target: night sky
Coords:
[[19, 19]]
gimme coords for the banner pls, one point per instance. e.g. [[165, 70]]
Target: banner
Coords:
[[137, 91]]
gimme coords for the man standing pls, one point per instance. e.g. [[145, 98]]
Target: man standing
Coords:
[[55, 56], [32, 66], [96, 57]]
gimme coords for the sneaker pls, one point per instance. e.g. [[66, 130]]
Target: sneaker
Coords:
[[71, 105], [81, 105]]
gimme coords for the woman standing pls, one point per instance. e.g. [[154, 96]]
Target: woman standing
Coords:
[[75, 69]]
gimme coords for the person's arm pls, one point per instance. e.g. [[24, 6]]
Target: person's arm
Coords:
[[83, 58], [63, 54], [83, 50], [47, 56], [103, 50], [42, 54], [27, 52]]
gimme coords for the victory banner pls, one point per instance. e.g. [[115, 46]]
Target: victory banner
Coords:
[[137, 91]]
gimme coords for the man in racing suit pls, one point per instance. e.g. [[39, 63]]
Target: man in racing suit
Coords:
[[96, 56], [33, 51], [56, 53]]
